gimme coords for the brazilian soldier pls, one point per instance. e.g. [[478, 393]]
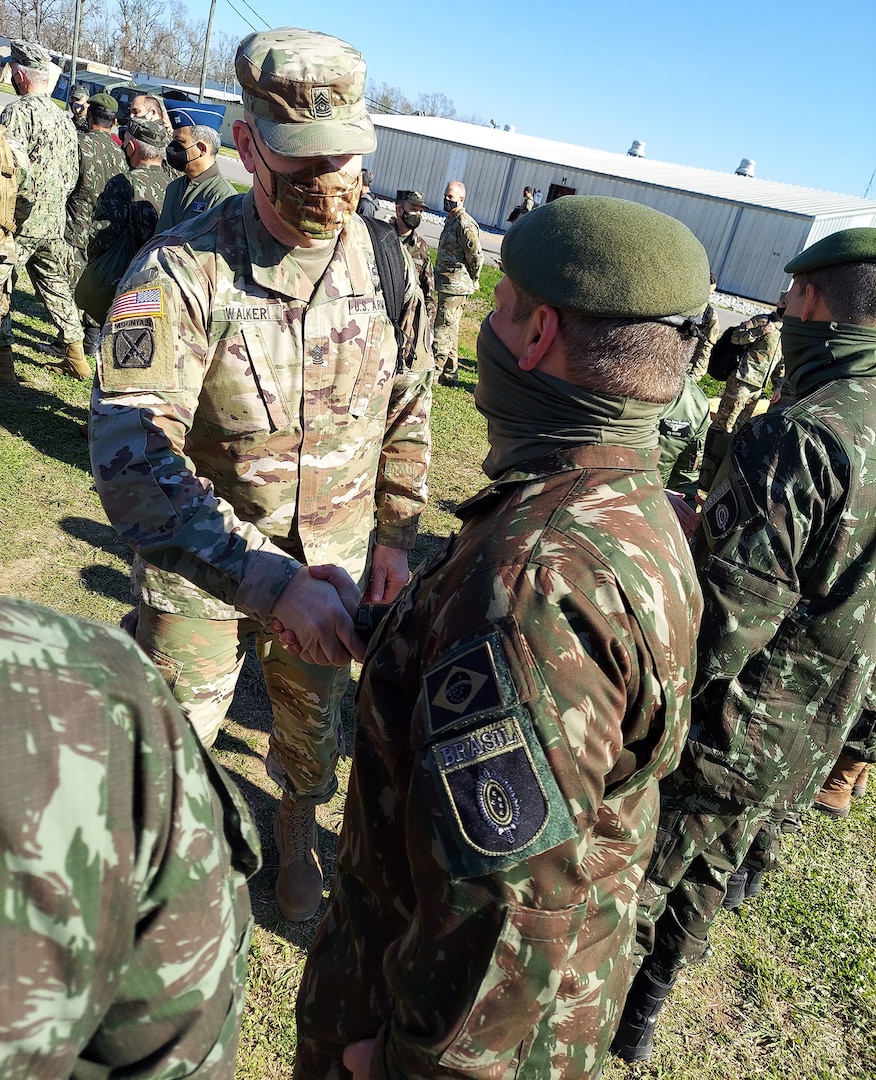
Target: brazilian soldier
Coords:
[[711, 331], [192, 151], [409, 207], [49, 140], [99, 161], [457, 275], [522, 698], [132, 200], [16, 202], [787, 649], [79, 96], [113, 960], [287, 427], [682, 430]]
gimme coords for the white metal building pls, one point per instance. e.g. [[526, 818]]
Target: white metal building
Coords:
[[749, 227]]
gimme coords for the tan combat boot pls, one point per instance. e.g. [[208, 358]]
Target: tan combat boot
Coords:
[[7, 366], [860, 788], [74, 363], [835, 797], [299, 878]]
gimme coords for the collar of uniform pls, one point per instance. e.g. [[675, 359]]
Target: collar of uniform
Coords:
[[275, 268], [207, 174]]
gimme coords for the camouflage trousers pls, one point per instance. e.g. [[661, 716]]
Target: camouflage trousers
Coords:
[[446, 343], [737, 404], [701, 839], [201, 660], [47, 262]]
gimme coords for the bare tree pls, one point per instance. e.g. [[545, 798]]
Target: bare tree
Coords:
[[384, 98], [435, 105]]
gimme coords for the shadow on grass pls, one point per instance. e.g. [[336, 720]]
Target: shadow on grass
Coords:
[[51, 425]]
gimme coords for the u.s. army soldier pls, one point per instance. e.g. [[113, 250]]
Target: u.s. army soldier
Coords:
[[254, 413], [521, 700], [125, 922]]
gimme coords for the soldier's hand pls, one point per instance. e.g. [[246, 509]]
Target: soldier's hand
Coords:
[[389, 574], [688, 518], [313, 616], [357, 1058]]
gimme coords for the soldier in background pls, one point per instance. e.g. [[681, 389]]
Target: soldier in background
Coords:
[[710, 332], [787, 648], [520, 701], [49, 140], [409, 207], [193, 151], [113, 959], [457, 275], [367, 203], [254, 417], [148, 107], [79, 96], [16, 201], [99, 161]]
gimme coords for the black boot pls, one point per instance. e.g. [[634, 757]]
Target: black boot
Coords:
[[736, 885], [634, 1040], [90, 342], [753, 883]]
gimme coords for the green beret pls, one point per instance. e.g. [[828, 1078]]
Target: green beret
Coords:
[[150, 131], [29, 54], [846, 246], [607, 257], [105, 101]]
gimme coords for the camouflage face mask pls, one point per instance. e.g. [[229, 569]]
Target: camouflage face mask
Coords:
[[314, 201]]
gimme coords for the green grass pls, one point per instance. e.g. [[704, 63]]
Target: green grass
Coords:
[[790, 993]]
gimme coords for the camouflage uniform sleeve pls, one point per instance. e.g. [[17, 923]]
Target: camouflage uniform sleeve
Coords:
[[149, 377], [497, 925], [427, 284], [755, 363], [685, 474], [776, 494], [400, 490], [470, 241], [124, 935], [25, 196], [112, 215]]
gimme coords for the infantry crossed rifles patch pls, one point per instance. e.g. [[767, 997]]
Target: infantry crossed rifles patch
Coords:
[[132, 324], [489, 768]]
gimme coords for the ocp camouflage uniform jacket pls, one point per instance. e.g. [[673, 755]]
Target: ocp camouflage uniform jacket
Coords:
[[237, 420], [788, 571], [125, 922], [711, 331], [131, 202], [459, 261], [763, 356], [49, 140], [99, 160], [418, 250], [516, 710]]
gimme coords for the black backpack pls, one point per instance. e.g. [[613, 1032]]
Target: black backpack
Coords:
[[725, 356], [391, 271]]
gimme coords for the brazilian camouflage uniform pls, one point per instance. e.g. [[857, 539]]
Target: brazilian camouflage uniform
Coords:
[[131, 201], [711, 331], [418, 250], [125, 922], [516, 710], [681, 433], [787, 648], [49, 141], [16, 202], [99, 160], [457, 275], [762, 357], [281, 431]]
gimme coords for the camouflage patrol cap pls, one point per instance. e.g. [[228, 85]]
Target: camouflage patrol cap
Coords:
[[846, 246], [29, 54], [79, 92], [150, 131], [305, 92], [415, 198], [105, 101], [607, 257]]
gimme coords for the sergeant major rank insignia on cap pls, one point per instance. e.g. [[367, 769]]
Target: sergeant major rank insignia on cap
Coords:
[[322, 102]]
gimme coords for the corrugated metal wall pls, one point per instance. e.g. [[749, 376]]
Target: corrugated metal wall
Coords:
[[747, 245]]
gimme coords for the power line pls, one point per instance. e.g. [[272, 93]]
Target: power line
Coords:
[[240, 15], [256, 13]]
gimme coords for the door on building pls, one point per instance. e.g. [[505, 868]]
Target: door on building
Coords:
[[556, 190]]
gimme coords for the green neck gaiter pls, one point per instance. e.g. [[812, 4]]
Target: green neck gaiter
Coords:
[[817, 352], [530, 414]]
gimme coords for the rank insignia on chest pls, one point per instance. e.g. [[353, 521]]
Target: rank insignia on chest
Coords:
[[199, 207], [721, 510], [471, 683]]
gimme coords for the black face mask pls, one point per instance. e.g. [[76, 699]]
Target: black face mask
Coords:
[[177, 155], [450, 205], [15, 86], [411, 219]]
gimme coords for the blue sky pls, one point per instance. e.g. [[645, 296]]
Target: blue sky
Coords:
[[792, 86]]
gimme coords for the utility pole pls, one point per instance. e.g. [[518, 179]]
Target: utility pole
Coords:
[[77, 20], [206, 51]]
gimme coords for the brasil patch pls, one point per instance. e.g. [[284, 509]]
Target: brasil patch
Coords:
[[137, 303]]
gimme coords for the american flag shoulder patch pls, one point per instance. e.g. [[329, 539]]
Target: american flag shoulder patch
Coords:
[[136, 303]]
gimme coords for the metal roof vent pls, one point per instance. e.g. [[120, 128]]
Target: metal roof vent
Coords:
[[746, 167], [511, 128], [637, 149]]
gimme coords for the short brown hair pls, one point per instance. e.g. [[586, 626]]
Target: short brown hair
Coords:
[[848, 290]]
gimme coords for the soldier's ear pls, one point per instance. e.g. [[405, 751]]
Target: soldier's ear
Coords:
[[242, 136], [540, 339]]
